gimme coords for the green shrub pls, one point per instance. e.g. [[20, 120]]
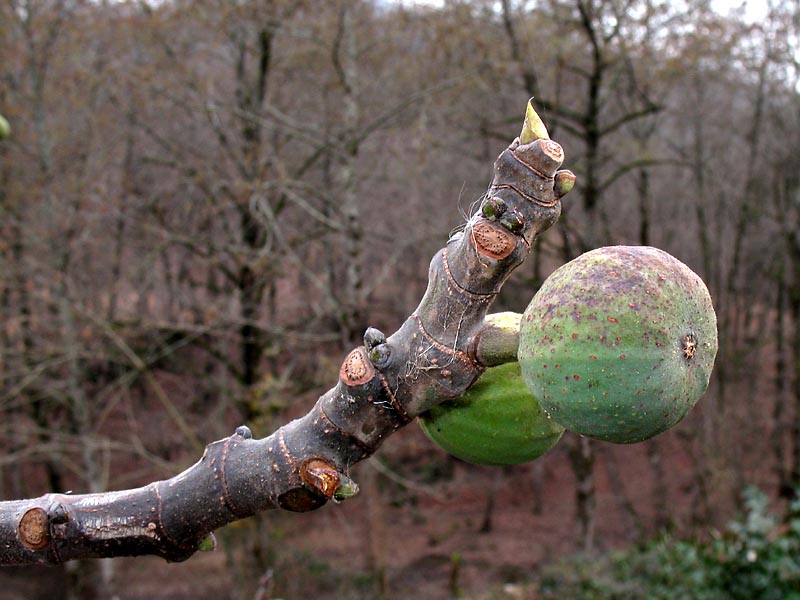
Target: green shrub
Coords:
[[757, 557]]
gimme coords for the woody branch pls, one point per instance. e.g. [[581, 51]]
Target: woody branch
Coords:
[[438, 352]]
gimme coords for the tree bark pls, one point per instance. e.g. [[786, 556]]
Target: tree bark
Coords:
[[582, 458]]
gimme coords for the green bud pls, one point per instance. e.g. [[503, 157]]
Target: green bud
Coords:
[[5, 128], [564, 182], [533, 127], [347, 488], [208, 543]]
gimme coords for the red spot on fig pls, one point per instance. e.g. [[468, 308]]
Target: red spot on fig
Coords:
[[611, 319]]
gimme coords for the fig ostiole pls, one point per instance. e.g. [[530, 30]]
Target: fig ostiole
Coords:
[[496, 422], [619, 344]]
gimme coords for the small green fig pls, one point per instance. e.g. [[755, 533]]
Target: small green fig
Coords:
[[619, 344], [496, 422], [5, 128]]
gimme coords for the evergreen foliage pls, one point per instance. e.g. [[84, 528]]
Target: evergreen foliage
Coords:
[[756, 557]]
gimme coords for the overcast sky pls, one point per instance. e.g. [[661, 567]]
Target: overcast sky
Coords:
[[754, 9]]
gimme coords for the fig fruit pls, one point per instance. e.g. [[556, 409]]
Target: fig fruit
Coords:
[[619, 344], [496, 422], [5, 128]]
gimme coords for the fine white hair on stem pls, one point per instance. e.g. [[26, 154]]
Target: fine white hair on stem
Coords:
[[467, 216]]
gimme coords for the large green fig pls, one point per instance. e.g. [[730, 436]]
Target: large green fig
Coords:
[[497, 421], [619, 344]]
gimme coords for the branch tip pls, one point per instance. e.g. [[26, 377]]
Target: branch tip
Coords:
[[533, 127]]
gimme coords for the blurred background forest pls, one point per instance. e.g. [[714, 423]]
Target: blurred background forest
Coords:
[[204, 203]]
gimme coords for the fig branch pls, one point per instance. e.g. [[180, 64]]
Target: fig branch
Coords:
[[436, 355]]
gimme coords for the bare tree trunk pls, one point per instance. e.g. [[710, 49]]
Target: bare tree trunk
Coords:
[[581, 454], [376, 531], [794, 306], [705, 435], [530, 81], [779, 414], [731, 316], [632, 519], [251, 281], [346, 59], [537, 486], [660, 495], [778, 433], [491, 498], [128, 194]]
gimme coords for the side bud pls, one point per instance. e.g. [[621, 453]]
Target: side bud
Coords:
[[564, 182]]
